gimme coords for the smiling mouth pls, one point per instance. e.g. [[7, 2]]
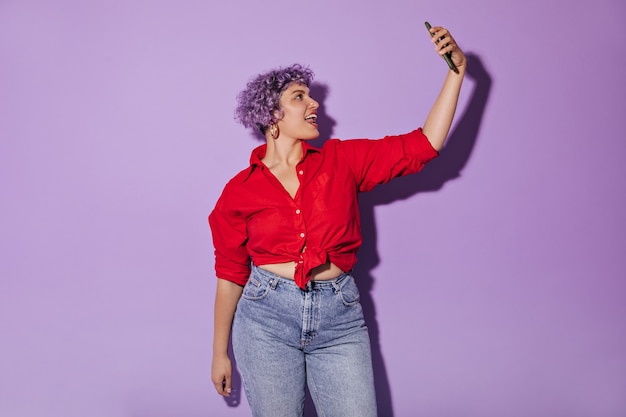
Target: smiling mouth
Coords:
[[312, 119]]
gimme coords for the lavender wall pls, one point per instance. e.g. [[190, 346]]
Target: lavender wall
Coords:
[[493, 282]]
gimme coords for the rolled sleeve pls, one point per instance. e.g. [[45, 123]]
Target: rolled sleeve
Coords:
[[378, 161], [232, 261]]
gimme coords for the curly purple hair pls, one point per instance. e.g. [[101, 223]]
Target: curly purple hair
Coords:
[[258, 101]]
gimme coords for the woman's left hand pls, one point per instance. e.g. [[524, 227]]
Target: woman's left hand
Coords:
[[447, 44]]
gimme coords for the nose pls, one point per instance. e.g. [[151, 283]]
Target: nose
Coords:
[[314, 104]]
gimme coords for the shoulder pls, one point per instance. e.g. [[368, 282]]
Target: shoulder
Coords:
[[240, 177], [234, 187], [412, 139], [238, 182]]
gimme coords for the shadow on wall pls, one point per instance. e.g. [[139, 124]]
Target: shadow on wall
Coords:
[[447, 167]]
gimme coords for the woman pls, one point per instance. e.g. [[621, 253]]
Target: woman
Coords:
[[286, 231]]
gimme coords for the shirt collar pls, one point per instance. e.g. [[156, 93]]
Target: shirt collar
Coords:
[[258, 154]]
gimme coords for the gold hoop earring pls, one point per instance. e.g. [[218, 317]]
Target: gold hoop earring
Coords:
[[274, 131]]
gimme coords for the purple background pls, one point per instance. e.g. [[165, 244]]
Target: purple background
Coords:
[[494, 282]]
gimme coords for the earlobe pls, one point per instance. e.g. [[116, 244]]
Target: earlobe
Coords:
[[278, 114], [274, 131]]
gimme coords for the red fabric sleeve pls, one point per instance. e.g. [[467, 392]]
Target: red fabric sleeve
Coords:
[[232, 261], [379, 161]]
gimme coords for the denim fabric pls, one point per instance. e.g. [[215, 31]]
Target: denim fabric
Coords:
[[285, 338]]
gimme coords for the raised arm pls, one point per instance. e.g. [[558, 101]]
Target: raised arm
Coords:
[[439, 120]]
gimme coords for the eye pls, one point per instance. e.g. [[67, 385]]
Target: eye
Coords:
[[299, 97]]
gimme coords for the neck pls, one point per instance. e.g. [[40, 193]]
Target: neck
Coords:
[[283, 151]]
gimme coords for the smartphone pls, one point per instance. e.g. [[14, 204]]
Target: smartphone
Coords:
[[445, 56]]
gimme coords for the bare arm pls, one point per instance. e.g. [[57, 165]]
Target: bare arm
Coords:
[[226, 298], [439, 120]]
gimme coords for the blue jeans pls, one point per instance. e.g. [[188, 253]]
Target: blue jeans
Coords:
[[285, 338]]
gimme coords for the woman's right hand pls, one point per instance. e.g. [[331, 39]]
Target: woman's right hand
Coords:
[[221, 375], [226, 298]]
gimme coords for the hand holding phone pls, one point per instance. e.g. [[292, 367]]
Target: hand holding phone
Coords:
[[445, 56]]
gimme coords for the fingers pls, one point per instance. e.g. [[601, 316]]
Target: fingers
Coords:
[[227, 386], [222, 381], [443, 40], [446, 46], [221, 373], [223, 386]]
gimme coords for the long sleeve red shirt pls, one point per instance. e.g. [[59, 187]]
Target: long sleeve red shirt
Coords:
[[256, 220]]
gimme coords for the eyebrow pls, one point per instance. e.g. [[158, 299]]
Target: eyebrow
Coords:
[[299, 91]]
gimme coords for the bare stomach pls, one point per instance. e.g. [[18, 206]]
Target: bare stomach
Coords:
[[320, 273]]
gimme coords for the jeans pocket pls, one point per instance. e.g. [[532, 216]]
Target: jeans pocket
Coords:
[[255, 289], [349, 292]]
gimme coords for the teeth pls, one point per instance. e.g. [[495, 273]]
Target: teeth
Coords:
[[311, 116]]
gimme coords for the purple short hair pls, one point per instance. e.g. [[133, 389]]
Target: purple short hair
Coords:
[[258, 101]]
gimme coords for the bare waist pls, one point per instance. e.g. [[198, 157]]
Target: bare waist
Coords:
[[320, 273]]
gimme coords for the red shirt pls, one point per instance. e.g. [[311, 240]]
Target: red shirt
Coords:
[[255, 219]]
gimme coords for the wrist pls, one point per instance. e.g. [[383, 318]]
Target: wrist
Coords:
[[460, 69], [220, 354], [455, 76], [220, 347]]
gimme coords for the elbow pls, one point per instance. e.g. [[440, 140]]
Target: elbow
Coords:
[[436, 141]]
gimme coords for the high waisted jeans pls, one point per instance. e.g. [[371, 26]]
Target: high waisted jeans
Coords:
[[285, 338]]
